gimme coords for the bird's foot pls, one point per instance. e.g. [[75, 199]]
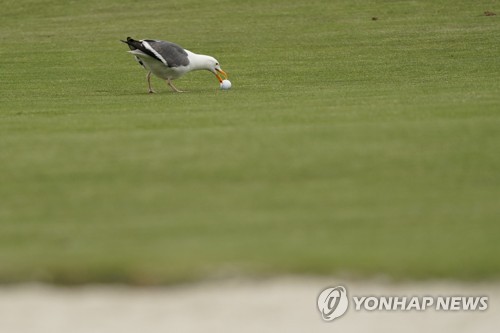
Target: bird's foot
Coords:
[[151, 91], [174, 88]]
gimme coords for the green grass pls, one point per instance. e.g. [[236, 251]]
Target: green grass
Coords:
[[347, 145]]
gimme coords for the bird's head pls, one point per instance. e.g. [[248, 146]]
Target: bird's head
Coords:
[[214, 67]]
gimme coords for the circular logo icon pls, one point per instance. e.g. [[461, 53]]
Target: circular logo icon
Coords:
[[333, 303]]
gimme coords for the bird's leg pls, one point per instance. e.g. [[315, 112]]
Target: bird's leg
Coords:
[[169, 82], [149, 82]]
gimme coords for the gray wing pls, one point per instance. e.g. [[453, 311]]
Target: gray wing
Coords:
[[173, 54]]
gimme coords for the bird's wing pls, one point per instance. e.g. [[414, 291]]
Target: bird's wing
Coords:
[[130, 42], [169, 53]]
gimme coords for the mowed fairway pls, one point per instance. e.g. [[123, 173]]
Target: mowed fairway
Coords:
[[347, 145]]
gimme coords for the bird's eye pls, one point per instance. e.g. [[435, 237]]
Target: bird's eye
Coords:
[[216, 64]]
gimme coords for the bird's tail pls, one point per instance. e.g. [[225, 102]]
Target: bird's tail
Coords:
[[132, 43]]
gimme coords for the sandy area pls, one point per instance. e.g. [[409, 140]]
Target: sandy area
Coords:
[[275, 305]]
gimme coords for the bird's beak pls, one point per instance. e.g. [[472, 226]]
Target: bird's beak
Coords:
[[219, 76]]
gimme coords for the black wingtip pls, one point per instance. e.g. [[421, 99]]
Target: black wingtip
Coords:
[[132, 43]]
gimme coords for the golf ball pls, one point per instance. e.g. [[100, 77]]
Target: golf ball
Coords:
[[225, 84]]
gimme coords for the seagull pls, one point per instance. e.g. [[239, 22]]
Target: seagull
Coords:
[[169, 61]]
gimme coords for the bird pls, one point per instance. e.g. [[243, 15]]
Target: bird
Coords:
[[169, 61]]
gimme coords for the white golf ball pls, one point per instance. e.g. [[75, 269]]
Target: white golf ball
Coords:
[[225, 84]]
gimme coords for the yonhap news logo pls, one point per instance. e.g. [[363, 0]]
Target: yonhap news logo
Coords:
[[333, 302]]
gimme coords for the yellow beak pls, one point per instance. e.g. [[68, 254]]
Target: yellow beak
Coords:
[[219, 76]]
